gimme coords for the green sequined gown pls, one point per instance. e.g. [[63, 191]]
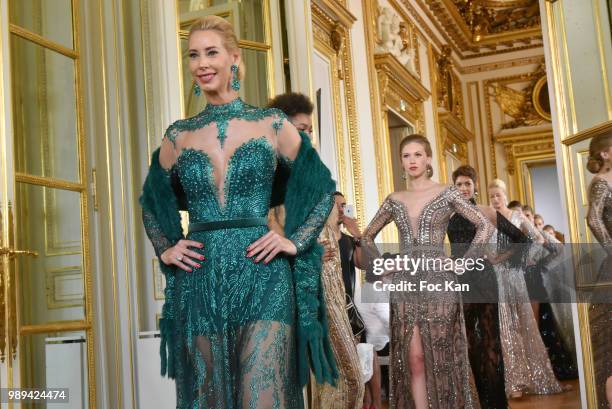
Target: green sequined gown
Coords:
[[237, 316]]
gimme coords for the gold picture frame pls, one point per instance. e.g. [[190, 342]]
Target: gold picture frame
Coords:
[[541, 99]]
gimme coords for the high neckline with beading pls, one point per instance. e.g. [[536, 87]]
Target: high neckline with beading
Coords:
[[235, 105]]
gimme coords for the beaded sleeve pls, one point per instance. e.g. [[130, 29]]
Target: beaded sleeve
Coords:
[[484, 229], [383, 216], [152, 227], [597, 200], [306, 234], [154, 232]]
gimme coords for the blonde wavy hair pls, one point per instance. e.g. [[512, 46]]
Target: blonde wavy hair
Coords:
[[225, 29], [498, 183]]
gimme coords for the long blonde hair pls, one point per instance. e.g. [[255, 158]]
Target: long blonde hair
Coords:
[[225, 29]]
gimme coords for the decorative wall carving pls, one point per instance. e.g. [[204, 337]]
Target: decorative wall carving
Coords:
[[474, 27], [488, 18], [393, 37], [450, 96], [524, 105], [400, 90]]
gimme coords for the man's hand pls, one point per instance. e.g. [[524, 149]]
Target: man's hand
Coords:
[[351, 226], [328, 251]]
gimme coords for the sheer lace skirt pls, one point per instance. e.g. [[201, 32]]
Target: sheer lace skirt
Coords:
[[236, 321], [248, 367]]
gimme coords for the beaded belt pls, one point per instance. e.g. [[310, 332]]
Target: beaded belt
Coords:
[[228, 224]]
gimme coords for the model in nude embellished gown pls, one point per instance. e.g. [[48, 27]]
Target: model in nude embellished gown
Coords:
[[429, 364], [599, 219], [527, 367], [349, 389]]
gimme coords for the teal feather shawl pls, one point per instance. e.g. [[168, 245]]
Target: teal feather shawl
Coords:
[[300, 189]]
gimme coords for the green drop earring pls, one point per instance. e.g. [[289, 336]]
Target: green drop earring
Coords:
[[235, 80], [197, 90]]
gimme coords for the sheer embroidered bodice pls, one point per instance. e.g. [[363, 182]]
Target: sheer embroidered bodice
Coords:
[[223, 160], [237, 316], [437, 314], [427, 227]]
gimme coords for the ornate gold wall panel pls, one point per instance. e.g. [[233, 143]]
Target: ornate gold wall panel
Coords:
[[472, 26], [518, 146], [513, 102], [521, 149], [331, 25], [454, 137]]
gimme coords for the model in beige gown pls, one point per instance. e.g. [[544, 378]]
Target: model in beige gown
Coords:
[[348, 393]]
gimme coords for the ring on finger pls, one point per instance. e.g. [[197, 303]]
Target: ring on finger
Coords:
[[179, 258]]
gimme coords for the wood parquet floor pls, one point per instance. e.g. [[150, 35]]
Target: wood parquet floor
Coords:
[[566, 400]]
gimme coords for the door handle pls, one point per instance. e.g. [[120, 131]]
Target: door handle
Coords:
[[13, 252]]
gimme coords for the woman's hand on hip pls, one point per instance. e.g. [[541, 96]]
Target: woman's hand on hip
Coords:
[[181, 256], [269, 245]]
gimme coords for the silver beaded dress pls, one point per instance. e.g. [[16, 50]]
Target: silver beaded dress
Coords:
[[527, 367], [438, 315], [599, 219]]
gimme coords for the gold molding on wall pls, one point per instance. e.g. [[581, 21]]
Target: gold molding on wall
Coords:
[[499, 65], [588, 133], [331, 24], [454, 138]]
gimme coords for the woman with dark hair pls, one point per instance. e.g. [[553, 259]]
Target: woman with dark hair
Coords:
[[429, 364], [482, 315], [298, 109], [349, 389], [599, 219]]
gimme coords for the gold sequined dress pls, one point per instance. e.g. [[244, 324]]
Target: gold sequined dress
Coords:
[[348, 393], [599, 219], [438, 314], [527, 367]]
